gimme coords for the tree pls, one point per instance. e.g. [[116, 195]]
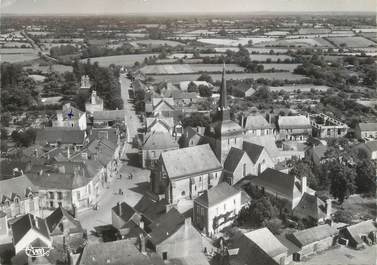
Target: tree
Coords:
[[195, 120], [205, 77], [205, 91], [365, 176], [192, 87], [258, 213], [342, 183], [303, 168], [25, 138]]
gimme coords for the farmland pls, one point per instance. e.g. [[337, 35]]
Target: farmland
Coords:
[[156, 43], [352, 42], [217, 77], [253, 49], [188, 68], [128, 59], [301, 42], [44, 69], [302, 88], [18, 55], [236, 42], [280, 66]]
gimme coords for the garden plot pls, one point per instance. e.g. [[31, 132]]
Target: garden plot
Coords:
[[352, 42], [188, 68]]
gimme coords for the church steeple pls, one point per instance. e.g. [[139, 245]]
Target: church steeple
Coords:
[[223, 109]]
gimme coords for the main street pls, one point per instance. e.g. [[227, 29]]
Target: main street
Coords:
[[133, 189]]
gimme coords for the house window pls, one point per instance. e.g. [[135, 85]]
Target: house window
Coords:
[[78, 195], [244, 169], [200, 179], [60, 195], [164, 255], [51, 204], [235, 140], [51, 195], [153, 153], [183, 193], [234, 202], [202, 211]]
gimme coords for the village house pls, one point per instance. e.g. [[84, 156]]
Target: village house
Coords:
[[85, 85], [4, 228], [284, 186], [54, 137], [28, 230], [160, 124], [313, 240], [126, 220], [318, 155], [327, 127], [216, 208], [236, 166], [70, 117], [186, 173], [173, 236], [95, 103], [18, 196], [120, 252], [110, 134], [361, 234], [257, 125], [294, 128], [182, 98], [106, 118], [313, 208], [259, 156], [257, 247], [366, 130], [155, 143], [192, 136], [161, 107], [72, 185]]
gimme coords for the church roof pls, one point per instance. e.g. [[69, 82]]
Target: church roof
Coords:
[[226, 128]]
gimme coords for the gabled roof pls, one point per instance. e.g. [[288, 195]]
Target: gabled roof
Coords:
[[18, 186], [311, 235], [64, 135], [56, 217], [109, 115], [362, 228], [124, 211], [26, 223], [120, 252], [189, 161], [159, 140], [279, 182], [165, 226], [253, 150], [291, 122], [178, 94], [156, 102], [255, 122], [167, 122], [217, 194], [8, 167], [368, 126], [151, 209], [266, 241], [233, 159], [310, 206], [111, 134]]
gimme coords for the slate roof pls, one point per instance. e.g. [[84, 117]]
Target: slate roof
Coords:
[[111, 133], [7, 167], [371, 145], [255, 122], [165, 226], [233, 158], [178, 94], [266, 241], [120, 252], [56, 217], [310, 206], [253, 150], [167, 122], [151, 209], [362, 228], [158, 101], [368, 126], [281, 183], [313, 234], [217, 194], [64, 135], [109, 115], [126, 212], [291, 122], [27, 222], [18, 186], [190, 161], [159, 140]]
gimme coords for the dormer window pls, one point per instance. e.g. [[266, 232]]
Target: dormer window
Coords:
[[16, 200]]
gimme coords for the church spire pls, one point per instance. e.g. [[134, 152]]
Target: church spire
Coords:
[[223, 108]]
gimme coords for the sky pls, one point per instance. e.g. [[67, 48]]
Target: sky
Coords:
[[182, 6]]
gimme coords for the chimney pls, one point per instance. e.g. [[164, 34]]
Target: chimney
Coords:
[[303, 184], [142, 244], [36, 222], [328, 208], [94, 95], [41, 172], [119, 208], [141, 224]]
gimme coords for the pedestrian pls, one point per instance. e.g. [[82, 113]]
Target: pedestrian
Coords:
[[120, 176], [131, 176]]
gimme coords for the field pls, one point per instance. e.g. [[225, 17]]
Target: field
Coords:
[[157, 43], [128, 59], [352, 42], [38, 78], [217, 77], [302, 88], [281, 66], [236, 42], [16, 44], [302, 42], [188, 68], [16, 50], [46, 69], [17, 57], [254, 49]]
